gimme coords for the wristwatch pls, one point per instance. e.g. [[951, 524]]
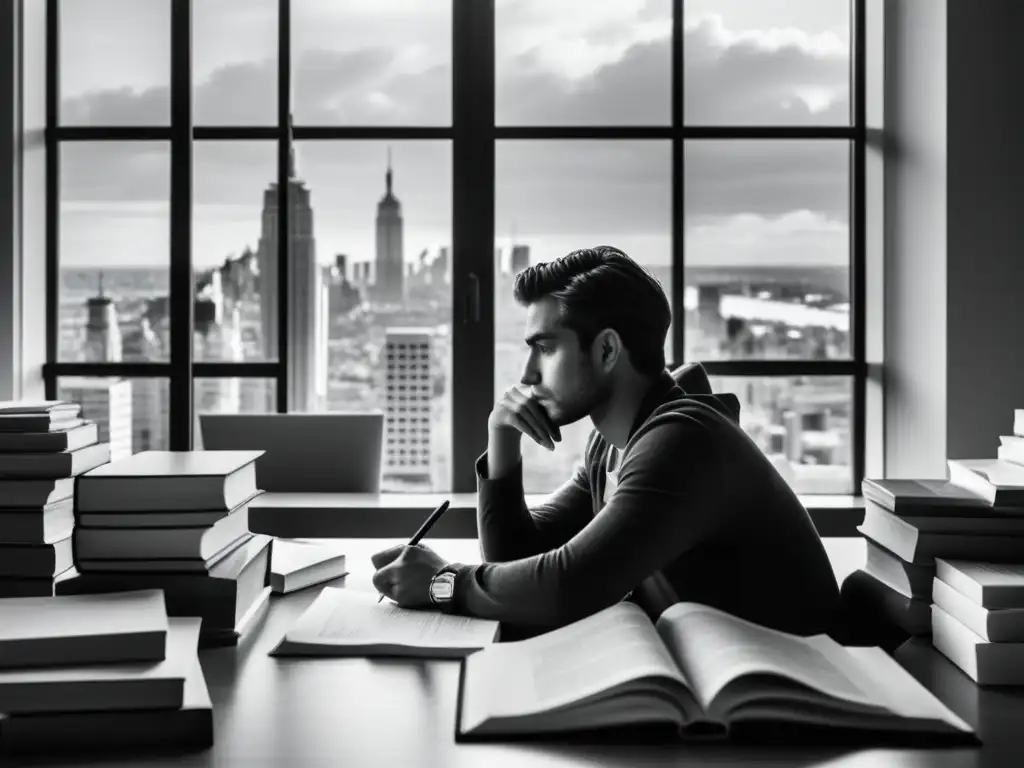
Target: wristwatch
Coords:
[[442, 586]]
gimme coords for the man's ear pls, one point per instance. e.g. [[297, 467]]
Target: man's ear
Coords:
[[606, 349]]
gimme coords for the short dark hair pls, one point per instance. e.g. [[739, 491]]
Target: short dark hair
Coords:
[[602, 287]]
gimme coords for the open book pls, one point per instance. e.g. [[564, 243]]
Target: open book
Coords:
[[696, 673]]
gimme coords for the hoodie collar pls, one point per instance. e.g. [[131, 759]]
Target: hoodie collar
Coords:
[[663, 389]]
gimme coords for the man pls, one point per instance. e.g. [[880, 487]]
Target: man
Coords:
[[670, 487]]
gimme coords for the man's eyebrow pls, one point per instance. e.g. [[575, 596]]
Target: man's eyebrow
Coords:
[[541, 336]]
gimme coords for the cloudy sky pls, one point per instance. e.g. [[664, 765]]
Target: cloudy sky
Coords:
[[559, 62]]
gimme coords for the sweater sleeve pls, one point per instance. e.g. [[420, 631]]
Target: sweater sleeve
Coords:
[[509, 530], [665, 503]]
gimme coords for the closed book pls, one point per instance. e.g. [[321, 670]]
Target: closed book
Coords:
[[35, 494], [984, 662], [189, 727], [1018, 422], [164, 565], [990, 585], [906, 496], [176, 519], [298, 564], [115, 686], [905, 541], [876, 598], [909, 579], [38, 526], [696, 673], [46, 586], [82, 629], [54, 465], [999, 482], [169, 481], [35, 407], [1005, 625], [1011, 452], [221, 598], [36, 560], [159, 543], [70, 439], [37, 422], [987, 524]]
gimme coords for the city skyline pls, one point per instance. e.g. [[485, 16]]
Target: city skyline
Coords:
[[556, 62]]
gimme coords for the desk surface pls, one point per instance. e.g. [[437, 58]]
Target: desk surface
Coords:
[[396, 712]]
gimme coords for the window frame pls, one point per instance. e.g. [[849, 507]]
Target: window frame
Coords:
[[473, 134]]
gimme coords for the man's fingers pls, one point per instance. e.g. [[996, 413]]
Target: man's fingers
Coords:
[[528, 412], [528, 424], [385, 556], [381, 582], [545, 418]]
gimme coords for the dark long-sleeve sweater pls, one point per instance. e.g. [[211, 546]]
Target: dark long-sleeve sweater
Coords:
[[696, 499]]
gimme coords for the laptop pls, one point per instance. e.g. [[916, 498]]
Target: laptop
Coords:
[[305, 452]]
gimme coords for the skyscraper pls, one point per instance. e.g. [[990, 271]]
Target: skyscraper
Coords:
[[389, 287], [304, 300], [102, 332], [106, 400], [409, 391]]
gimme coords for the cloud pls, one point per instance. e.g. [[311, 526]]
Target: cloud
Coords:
[[730, 80]]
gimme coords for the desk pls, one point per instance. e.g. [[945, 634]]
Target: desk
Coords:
[[398, 712], [357, 515]]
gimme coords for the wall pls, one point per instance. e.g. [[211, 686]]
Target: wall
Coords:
[[954, 275]]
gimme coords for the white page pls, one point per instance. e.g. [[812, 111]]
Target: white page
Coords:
[[594, 654], [714, 648], [340, 617]]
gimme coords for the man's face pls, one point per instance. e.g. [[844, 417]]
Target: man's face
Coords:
[[559, 373]]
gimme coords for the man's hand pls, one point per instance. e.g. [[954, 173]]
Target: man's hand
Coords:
[[516, 409], [404, 572]]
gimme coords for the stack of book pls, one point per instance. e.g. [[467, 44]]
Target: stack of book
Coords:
[[44, 445], [176, 521], [100, 673], [910, 523], [978, 619]]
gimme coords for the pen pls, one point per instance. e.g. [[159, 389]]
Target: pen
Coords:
[[427, 525]]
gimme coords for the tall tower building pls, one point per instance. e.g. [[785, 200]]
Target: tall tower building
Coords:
[[409, 390], [520, 258], [389, 287], [217, 338], [106, 400], [102, 333], [303, 290]]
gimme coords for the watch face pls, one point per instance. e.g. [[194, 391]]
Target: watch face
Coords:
[[443, 587]]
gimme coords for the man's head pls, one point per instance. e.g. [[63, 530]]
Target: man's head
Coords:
[[594, 317]]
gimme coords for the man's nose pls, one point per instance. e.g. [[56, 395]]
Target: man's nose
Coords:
[[530, 375]]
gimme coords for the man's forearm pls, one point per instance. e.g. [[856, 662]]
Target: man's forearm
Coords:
[[504, 451]]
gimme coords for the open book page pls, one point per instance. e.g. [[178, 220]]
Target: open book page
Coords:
[[714, 648], [340, 619], [591, 656]]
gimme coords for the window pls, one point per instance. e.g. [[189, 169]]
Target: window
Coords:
[[418, 155]]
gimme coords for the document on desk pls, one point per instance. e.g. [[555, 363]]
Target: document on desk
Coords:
[[349, 622]]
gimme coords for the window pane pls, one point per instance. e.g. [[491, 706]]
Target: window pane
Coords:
[[235, 395], [234, 62], [766, 62], [370, 303], [114, 251], [802, 423], [577, 62], [115, 62], [767, 250], [553, 197], [132, 414], [388, 62], [233, 215]]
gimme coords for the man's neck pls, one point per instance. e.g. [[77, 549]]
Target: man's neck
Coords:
[[614, 418]]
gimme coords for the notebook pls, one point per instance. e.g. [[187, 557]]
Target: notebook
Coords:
[[348, 622], [696, 673]]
